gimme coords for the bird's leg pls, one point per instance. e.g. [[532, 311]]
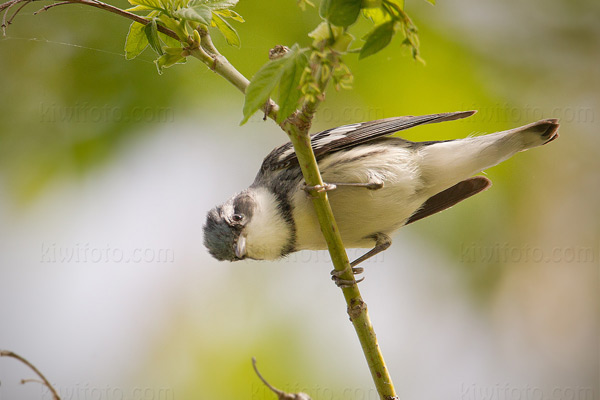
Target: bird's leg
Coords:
[[368, 185], [325, 187], [382, 242]]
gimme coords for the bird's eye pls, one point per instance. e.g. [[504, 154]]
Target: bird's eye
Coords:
[[237, 217]]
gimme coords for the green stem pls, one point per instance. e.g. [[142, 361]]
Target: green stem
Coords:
[[221, 66], [206, 52], [297, 128], [356, 307]]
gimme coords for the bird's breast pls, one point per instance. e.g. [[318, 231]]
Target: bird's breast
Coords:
[[360, 212]]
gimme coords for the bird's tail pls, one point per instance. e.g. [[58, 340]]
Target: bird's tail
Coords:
[[446, 163]]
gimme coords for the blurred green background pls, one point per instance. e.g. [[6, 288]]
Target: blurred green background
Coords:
[[107, 170]]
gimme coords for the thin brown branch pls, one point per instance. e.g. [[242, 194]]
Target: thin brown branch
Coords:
[[45, 382], [281, 395], [49, 6], [93, 3], [6, 8], [24, 381], [10, 20], [46, 8]]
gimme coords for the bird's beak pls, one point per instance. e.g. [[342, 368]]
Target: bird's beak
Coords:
[[240, 247]]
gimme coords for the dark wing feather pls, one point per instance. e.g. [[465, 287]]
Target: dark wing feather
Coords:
[[352, 135], [451, 196]]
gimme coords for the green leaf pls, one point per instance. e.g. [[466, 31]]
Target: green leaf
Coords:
[[136, 41], [141, 5], [320, 33], [198, 13], [341, 12], [371, 3], [324, 8], [396, 3], [261, 86], [168, 40], [214, 4], [231, 36], [151, 32], [169, 59], [324, 31], [432, 2], [378, 39], [266, 80], [172, 24], [343, 42], [289, 85], [230, 14], [377, 15], [138, 8]]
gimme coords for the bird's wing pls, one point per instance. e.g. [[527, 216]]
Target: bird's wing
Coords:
[[354, 134], [451, 196]]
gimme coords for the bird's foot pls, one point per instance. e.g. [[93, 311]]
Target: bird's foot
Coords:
[[345, 283]]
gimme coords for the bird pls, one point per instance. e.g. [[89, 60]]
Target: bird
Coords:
[[376, 184]]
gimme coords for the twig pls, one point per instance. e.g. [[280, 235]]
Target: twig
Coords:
[[6, 8], [49, 6], [281, 395], [24, 381], [206, 52], [44, 381], [10, 20], [297, 127], [93, 3]]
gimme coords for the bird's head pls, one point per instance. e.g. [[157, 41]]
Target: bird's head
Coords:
[[249, 225], [224, 230]]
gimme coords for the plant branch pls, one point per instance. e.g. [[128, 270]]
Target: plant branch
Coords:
[[93, 3], [297, 127], [281, 395], [206, 52], [44, 381]]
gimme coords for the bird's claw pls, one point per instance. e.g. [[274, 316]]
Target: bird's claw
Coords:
[[345, 283], [325, 187]]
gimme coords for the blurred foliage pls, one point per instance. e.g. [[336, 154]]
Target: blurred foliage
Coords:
[[70, 101]]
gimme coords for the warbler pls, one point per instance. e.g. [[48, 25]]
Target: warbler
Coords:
[[376, 184]]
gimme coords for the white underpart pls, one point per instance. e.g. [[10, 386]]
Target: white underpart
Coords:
[[409, 176], [267, 233], [360, 212]]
